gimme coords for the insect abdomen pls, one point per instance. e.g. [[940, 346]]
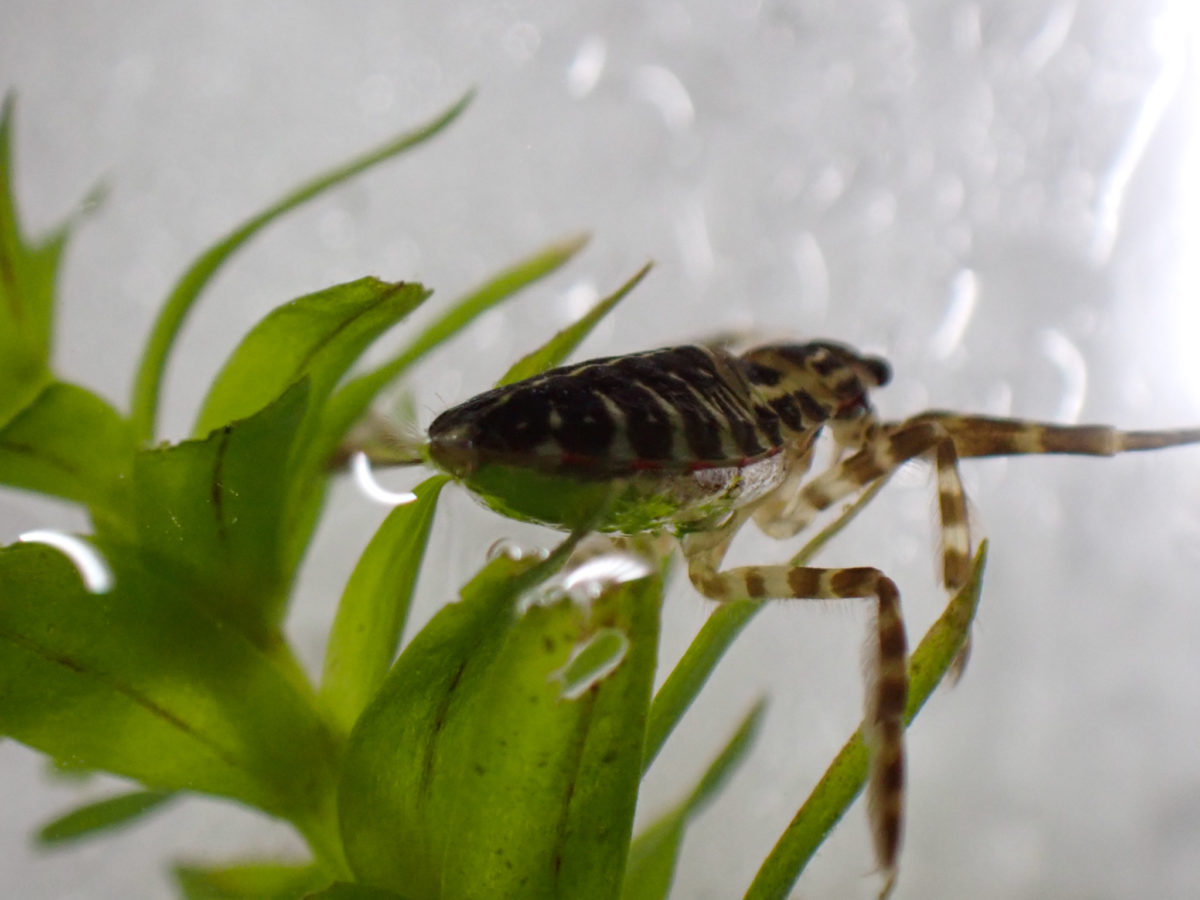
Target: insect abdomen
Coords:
[[676, 409]]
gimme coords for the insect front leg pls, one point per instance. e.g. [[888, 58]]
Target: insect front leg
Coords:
[[887, 682]]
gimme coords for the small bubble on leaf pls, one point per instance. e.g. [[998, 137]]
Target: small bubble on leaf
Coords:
[[591, 662]]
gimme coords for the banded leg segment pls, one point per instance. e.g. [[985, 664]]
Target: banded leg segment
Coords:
[[894, 445], [990, 436], [887, 683]]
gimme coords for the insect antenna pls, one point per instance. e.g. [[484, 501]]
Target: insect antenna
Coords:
[[386, 443]]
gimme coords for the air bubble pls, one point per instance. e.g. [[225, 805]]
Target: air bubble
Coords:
[[92, 566], [588, 580], [364, 478], [510, 549], [591, 662], [587, 67]]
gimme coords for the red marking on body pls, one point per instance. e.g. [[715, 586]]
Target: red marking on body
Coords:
[[700, 465], [858, 403], [647, 464], [568, 460], [576, 459]]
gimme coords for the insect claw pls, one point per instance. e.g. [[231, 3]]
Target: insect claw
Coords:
[[889, 884], [959, 664]]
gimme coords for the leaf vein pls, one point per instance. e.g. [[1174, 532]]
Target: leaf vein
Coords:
[[138, 698]]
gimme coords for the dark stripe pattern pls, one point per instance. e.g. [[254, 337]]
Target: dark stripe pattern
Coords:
[[678, 406]]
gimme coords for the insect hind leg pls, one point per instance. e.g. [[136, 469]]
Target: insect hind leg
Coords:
[[976, 436], [887, 685], [889, 447]]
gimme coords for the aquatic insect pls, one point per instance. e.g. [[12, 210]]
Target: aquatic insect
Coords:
[[694, 441]]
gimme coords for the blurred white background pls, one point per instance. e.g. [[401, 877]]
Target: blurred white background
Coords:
[[998, 196]]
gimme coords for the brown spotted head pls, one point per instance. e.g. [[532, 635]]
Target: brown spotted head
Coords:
[[810, 384]]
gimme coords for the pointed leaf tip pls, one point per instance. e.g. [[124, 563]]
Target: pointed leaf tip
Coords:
[[103, 815], [178, 305], [563, 344]]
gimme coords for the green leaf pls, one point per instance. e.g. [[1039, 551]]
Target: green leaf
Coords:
[[692, 672], [103, 815], [319, 336], [374, 607], [67, 771], [353, 399], [469, 775], [27, 286], [250, 881], [725, 623], [316, 337], [601, 750], [144, 683], [564, 343], [213, 512], [655, 851], [345, 891], [386, 800], [183, 296], [844, 778], [70, 443]]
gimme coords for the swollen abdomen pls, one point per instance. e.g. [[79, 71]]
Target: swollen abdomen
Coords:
[[676, 409]]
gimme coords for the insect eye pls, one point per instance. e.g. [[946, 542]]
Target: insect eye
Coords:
[[880, 371]]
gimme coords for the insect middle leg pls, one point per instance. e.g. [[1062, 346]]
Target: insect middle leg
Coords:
[[887, 684], [889, 447]]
